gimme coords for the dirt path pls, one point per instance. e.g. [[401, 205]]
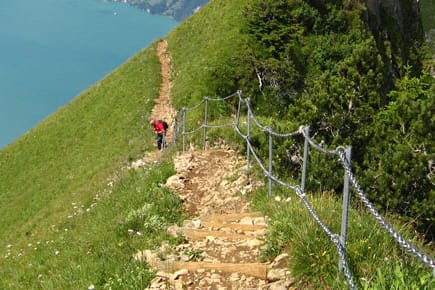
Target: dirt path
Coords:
[[223, 238], [163, 108]]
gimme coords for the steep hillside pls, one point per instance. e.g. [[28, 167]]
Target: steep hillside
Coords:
[[75, 207], [178, 9]]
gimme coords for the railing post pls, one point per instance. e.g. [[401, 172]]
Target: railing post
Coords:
[[270, 160], [175, 133], [248, 151], [205, 122], [239, 94], [344, 216], [305, 164], [184, 129]]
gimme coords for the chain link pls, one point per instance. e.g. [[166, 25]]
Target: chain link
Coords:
[[382, 222], [302, 196], [316, 146], [218, 126], [223, 99], [195, 107], [339, 151], [194, 131]]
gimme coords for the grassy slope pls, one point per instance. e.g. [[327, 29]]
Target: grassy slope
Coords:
[[59, 167], [427, 8], [209, 42], [67, 159], [69, 154]]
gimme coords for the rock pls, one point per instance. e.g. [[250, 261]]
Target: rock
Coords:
[[195, 224], [147, 256], [175, 182], [174, 230], [276, 274], [179, 273], [280, 261], [277, 286]]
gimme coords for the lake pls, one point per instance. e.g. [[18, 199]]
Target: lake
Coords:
[[51, 50]]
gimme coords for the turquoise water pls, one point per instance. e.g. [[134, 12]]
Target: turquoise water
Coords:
[[51, 50]]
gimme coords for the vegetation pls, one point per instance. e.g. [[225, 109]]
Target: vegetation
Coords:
[[428, 17], [178, 9], [73, 217], [67, 206], [375, 260]]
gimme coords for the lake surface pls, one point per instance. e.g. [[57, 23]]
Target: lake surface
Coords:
[[51, 50]]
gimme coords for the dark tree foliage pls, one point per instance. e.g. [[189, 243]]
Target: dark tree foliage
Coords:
[[400, 161], [316, 63]]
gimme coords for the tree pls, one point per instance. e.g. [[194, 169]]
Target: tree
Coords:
[[400, 173]]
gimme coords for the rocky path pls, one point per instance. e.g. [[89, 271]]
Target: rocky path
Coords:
[[223, 238], [163, 108]]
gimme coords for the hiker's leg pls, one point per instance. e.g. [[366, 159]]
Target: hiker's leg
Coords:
[[159, 141], [164, 140]]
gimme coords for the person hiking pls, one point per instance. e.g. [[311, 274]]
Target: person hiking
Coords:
[[160, 128]]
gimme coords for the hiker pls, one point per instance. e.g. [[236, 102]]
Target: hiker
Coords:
[[160, 128]]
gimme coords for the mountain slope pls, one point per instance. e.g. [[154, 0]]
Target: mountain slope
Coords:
[[73, 151], [72, 219]]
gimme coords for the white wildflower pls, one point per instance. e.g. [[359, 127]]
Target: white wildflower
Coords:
[[277, 198]]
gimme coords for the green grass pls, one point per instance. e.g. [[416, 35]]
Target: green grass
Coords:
[[96, 244], [65, 162], [64, 227], [204, 47], [427, 9], [375, 260]]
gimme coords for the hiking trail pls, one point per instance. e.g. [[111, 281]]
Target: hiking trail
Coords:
[[223, 237]]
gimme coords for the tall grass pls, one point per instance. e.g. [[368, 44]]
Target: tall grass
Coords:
[[95, 244], [376, 261]]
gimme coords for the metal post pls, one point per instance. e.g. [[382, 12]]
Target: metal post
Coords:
[[184, 129], [270, 160], [239, 93], [305, 164], [205, 122], [344, 215], [175, 133], [248, 150]]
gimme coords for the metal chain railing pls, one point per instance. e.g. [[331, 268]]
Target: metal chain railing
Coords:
[[381, 221], [300, 190], [334, 238]]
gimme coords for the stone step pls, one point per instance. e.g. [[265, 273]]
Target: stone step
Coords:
[[195, 235], [257, 270], [234, 217], [241, 227]]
